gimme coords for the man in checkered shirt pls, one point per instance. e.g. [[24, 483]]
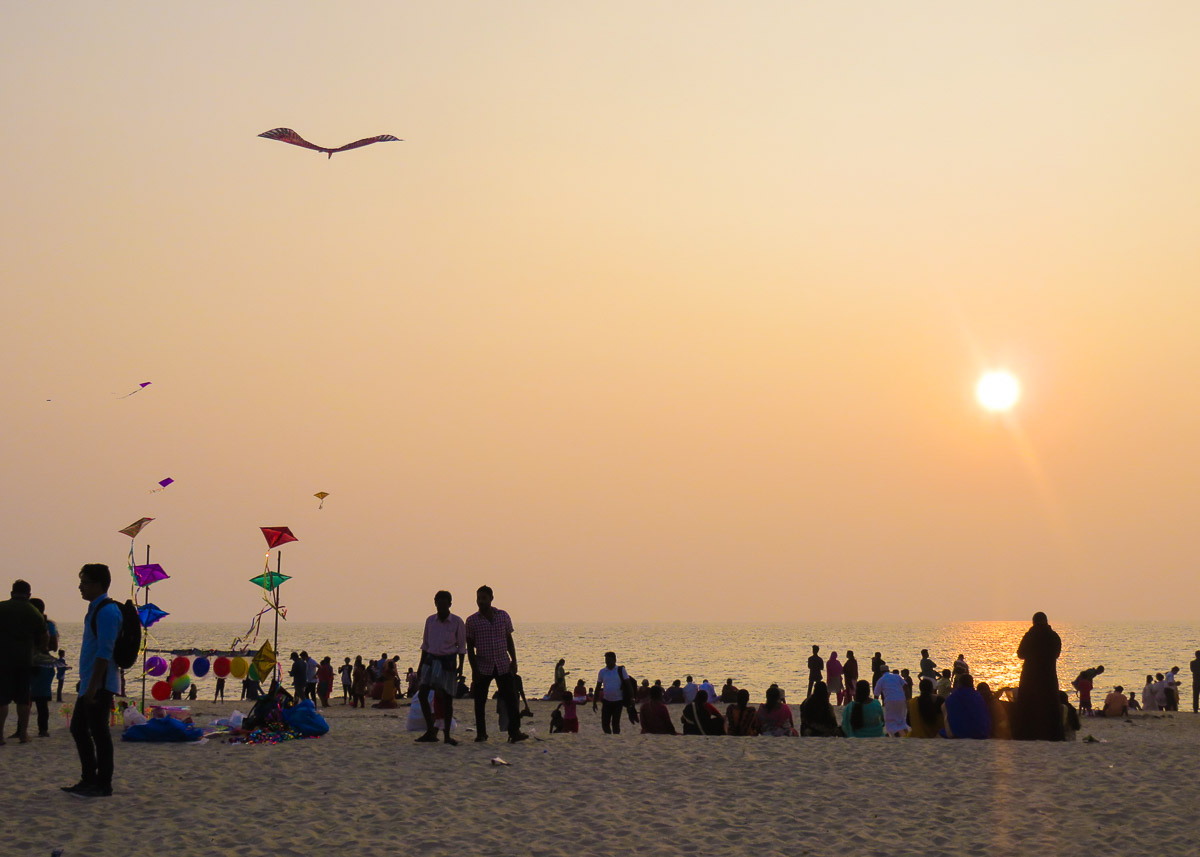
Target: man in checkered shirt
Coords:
[[493, 655]]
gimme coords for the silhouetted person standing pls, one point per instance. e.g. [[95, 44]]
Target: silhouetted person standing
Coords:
[[816, 666], [493, 655], [1037, 712]]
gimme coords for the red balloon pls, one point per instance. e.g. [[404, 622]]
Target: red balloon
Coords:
[[221, 667], [179, 666], [161, 690]]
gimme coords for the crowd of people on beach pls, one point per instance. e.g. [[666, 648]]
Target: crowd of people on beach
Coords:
[[936, 703]]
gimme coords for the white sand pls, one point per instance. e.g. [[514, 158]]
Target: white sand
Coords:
[[366, 786]]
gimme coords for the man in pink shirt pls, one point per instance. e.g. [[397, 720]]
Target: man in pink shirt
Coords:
[[443, 647]]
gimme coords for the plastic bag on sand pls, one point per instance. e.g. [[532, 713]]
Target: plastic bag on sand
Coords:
[[235, 719]]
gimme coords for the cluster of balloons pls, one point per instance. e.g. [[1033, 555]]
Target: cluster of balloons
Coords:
[[178, 679]]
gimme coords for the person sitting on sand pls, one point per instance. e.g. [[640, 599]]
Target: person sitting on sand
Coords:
[[740, 719], [707, 687], [689, 690], [945, 684], [817, 719], [1132, 699], [1115, 704], [774, 717], [967, 714], [729, 693], [700, 718], [570, 715], [391, 681], [654, 715], [674, 694], [925, 716], [580, 693], [643, 691], [1069, 715], [998, 712], [863, 716]]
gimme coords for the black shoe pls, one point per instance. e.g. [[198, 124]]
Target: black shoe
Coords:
[[517, 736], [92, 791], [82, 785], [479, 739]]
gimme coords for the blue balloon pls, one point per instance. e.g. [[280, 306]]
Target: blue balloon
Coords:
[[200, 667]]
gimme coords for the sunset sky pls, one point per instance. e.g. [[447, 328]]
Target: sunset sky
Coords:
[[660, 310]]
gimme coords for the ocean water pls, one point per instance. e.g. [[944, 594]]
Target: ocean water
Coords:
[[753, 655]]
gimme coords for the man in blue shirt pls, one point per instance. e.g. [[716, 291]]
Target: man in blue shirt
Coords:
[[99, 681]]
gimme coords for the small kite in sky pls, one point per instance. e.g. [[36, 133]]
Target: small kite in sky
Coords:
[[136, 527], [139, 389], [321, 495], [277, 536], [287, 135], [162, 483]]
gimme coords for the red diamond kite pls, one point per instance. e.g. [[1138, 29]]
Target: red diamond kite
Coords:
[[277, 536], [287, 135]]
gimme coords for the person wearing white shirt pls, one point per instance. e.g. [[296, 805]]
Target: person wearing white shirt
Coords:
[[895, 706], [689, 691]]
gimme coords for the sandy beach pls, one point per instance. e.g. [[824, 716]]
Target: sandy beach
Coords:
[[367, 786]]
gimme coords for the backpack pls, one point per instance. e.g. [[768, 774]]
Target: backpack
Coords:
[[129, 637]]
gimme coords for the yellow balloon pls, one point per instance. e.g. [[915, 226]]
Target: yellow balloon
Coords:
[[237, 667]]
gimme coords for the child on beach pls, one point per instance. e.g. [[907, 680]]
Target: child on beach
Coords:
[[570, 715]]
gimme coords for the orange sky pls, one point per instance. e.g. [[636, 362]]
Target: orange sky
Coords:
[[661, 311]]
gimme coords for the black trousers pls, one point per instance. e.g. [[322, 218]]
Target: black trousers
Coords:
[[1195, 693], [89, 728], [508, 693], [610, 716], [43, 715]]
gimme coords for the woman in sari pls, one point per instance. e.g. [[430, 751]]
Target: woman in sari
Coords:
[[774, 717], [700, 718], [833, 675], [740, 719], [925, 715], [391, 684], [817, 719], [863, 716]]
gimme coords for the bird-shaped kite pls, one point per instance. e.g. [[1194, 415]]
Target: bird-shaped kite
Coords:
[[287, 135]]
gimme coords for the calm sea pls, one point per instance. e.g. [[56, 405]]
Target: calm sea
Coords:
[[753, 655]]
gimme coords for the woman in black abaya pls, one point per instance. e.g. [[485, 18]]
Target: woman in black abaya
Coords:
[[1037, 712]]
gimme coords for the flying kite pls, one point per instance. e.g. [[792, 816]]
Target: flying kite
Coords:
[[287, 135], [277, 536], [321, 495], [139, 389], [162, 483], [136, 527], [150, 613]]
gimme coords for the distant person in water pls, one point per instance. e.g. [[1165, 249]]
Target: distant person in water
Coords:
[[654, 715], [967, 714], [863, 716], [1036, 714], [816, 667], [1084, 683], [443, 650]]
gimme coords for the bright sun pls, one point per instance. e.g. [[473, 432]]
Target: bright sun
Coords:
[[998, 391]]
